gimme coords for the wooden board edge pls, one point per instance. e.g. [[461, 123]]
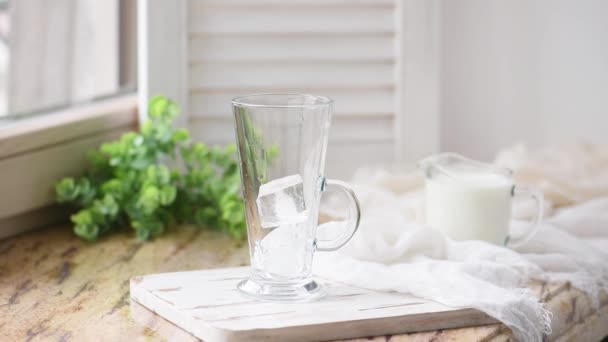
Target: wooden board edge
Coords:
[[370, 327]]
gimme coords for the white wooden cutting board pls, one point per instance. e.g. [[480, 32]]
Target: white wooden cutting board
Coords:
[[207, 304]]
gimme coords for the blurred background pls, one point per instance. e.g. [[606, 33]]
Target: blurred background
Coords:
[[409, 77], [60, 53]]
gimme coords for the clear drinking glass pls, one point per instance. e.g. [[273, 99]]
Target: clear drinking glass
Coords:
[[282, 141]]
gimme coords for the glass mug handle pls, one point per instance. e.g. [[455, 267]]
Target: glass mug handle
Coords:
[[352, 222], [537, 196]]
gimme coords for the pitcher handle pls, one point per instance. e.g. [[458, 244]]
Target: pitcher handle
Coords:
[[536, 195], [351, 223]]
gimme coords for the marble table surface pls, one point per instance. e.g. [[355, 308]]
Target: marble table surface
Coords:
[[56, 287]]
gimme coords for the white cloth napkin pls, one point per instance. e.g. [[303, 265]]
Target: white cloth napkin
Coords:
[[395, 250]]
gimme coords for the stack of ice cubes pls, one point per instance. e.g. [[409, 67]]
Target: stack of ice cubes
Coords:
[[282, 208]]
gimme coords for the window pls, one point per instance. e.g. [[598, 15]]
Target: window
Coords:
[[67, 82], [56, 53]]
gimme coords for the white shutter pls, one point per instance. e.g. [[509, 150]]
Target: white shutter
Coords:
[[341, 49], [353, 51]]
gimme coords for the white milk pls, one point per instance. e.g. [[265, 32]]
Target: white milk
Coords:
[[470, 206]]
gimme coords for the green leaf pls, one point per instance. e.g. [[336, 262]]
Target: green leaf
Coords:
[[113, 187], [230, 149], [163, 174], [172, 110], [147, 129], [163, 134], [149, 199], [107, 206], [66, 190], [157, 106], [84, 225], [181, 135], [86, 191], [272, 152], [130, 180], [167, 194], [162, 108]]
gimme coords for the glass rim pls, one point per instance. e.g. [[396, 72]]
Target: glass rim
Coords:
[[432, 160], [249, 100]]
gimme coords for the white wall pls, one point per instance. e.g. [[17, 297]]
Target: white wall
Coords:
[[523, 70]]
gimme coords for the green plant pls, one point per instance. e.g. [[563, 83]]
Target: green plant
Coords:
[[130, 182]]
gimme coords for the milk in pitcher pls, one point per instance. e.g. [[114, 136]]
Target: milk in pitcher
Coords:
[[469, 205]]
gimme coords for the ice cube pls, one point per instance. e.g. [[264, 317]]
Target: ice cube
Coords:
[[283, 251], [281, 201]]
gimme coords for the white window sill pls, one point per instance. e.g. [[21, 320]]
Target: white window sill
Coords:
[[36, 152]]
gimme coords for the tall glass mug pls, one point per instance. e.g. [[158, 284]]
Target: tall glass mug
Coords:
[[282, 142]]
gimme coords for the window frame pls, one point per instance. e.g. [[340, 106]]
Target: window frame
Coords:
[[37, 150]]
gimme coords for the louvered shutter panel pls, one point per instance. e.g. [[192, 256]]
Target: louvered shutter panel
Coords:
[[344, 49]]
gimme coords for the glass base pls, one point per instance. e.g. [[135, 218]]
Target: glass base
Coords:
[[300, 292]]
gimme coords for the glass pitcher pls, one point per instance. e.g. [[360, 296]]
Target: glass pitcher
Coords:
[[471, 200], [282, 141]]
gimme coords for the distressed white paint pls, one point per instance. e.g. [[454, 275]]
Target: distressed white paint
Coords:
[[206, 304]]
